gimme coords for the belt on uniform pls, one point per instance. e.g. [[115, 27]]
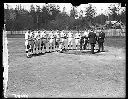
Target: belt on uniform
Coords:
[[77, 38], [51, 38]]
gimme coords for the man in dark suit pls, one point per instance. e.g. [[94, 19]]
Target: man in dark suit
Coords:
[[100, 40], [81, 42], [92, 40]]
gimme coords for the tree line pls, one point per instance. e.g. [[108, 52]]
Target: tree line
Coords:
[[50, 17]]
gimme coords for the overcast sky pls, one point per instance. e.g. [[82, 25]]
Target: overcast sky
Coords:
[[100, 7]]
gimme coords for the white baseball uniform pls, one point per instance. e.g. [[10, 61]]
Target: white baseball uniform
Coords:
[[77, 38], [70, 38]]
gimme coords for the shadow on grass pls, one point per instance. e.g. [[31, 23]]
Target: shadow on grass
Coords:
[[82, 52], [75, 52], [40, 54]]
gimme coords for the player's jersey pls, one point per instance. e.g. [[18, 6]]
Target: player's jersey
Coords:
[[51, 35], [85, 33], [57, 34], [70, 35], [27, 35], [27, 38], [42, 34], [77, 36], [31, 35], [35, 34], [62, 34], [65, 35]]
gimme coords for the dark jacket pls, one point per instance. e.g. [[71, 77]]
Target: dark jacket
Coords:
[[101, 37], [82, 40], [92, 38]]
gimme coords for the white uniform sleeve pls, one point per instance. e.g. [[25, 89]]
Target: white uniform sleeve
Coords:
[[26, 36], [35, 35], [31, 35], [85, 33]]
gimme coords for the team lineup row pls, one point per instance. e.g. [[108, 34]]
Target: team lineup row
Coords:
[[37, 41]]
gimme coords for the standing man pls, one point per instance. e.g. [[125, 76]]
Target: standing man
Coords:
[[62, 35], [27, 44], [51, 41], [100, 40], [57, 39], [36, 41], [61, 45], [92, 40], [70, 40], [85, 35], [65, 39], [77, 39], [43, 41], [32, 41], [81, 42]]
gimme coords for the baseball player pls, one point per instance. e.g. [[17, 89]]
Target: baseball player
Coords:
[[39, 42], [36, 41], [77, 39], [61, 45], [51, 41], [70, 39], [43, 40], [57, 39], [32, 40], [27, 44], [85, 35]]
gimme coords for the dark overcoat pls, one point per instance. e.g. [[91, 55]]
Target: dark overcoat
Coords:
[[101, 37], [92, 38]]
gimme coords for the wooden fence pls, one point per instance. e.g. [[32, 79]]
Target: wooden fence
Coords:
[[108, 32], [114, 32], [16, 32]]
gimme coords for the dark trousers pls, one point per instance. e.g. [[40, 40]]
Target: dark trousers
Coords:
[[92, 48], [81, 45], [101, 46], [85, 45]]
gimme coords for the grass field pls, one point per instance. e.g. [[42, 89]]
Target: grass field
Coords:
[[69, 74]]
